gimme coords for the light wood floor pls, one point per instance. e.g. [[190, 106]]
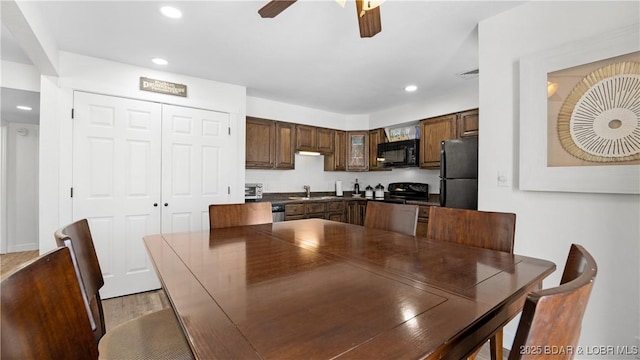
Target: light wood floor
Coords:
[[120, 309]]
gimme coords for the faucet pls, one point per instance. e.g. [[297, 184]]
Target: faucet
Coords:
[[308, 189]]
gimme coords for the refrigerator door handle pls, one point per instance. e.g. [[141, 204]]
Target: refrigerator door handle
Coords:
[[443, 193], [443, 161]]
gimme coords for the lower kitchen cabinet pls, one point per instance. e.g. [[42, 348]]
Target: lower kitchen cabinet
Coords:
[[356, 211], [330, 210], [335, 211]]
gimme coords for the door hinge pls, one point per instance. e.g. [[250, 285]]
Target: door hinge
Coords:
[[72, 113], [71, 192], [229, 128]]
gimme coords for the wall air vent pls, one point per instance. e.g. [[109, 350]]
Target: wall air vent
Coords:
[[472, 74]]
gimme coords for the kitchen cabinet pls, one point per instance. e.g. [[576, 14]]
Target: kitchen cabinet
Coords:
[[433, 131], [337, 160], [285, 146], [376, 137], [357, 150], [331, 210], [423, 220], [311, 138], [260, 144], [356, 210], [306, 138], [294, 212], [325, 140], [269, 144], [335, 211], [468, 123]]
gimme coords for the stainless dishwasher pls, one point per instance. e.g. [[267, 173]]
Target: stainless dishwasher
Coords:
[[277, 212]]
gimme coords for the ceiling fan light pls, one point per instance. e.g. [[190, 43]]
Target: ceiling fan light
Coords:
[[368, 5]]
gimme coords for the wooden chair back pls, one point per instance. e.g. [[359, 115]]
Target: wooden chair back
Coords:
[[484, 229], [229, 215], [77, 237], [399, 218], [552, 318], [40, 312]]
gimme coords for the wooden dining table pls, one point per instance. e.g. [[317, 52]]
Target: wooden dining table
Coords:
[[319, 289]]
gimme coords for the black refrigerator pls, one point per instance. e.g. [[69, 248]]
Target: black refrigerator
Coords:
[[459, 173]]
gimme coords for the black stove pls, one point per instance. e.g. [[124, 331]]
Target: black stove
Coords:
[[403, 191]]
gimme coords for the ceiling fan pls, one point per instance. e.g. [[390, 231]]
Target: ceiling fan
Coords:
[[368, 14]]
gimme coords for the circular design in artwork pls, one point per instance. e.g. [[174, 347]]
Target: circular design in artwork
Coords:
[[600, 119]]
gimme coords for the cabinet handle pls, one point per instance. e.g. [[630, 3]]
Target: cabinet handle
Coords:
[[155, 204], [166, 204]]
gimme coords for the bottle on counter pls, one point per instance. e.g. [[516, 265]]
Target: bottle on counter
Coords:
[[356, 188]]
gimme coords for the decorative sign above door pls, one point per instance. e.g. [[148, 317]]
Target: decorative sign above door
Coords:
[[163, 87]]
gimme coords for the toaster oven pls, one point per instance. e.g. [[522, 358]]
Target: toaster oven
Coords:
[[253, 191]]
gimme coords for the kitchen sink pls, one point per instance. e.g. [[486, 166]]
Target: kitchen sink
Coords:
[[312, 198]]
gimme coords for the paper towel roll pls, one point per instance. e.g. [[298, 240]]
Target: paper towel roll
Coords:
[[338, 187]]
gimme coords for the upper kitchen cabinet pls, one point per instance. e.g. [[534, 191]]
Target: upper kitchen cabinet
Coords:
[[306, 138], [325, 140], [376, 137], [311, 138], [337, 160], [269, 144], [432, 132], [468, 123], [357, 150], [260, 147], [285, 145]]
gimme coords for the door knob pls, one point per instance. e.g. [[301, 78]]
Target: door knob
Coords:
[[155, 204]]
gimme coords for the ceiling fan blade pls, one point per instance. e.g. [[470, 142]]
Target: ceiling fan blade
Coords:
[[369, 21], [274, 7]]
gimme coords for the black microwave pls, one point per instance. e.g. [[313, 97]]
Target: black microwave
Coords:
[[399, 153]]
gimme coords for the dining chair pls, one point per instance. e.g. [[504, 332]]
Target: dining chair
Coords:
[[484, 229], [151, 336], [552, 318], [229, 215], [40, 317], [400, 218]]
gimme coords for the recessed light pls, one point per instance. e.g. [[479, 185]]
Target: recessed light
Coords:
[[410, 88], [171, 12], [25, 108], [159, 61]]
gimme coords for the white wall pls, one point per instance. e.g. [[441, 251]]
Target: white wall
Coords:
[[22, 187], [107, 77], [548, 222]]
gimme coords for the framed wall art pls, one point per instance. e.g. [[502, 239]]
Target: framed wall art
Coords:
[[580, 116]]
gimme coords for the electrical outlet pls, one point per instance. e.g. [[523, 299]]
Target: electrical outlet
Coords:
[[503, 179]]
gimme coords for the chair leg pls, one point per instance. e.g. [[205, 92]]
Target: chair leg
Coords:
[[496, 346]]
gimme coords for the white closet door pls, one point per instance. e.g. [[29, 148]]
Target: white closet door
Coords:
[[196, 166], [116, 185]]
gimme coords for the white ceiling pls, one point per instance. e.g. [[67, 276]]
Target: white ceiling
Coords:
[[310, 55]]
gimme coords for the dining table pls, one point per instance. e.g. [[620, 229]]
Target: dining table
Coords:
[[321, 289]]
